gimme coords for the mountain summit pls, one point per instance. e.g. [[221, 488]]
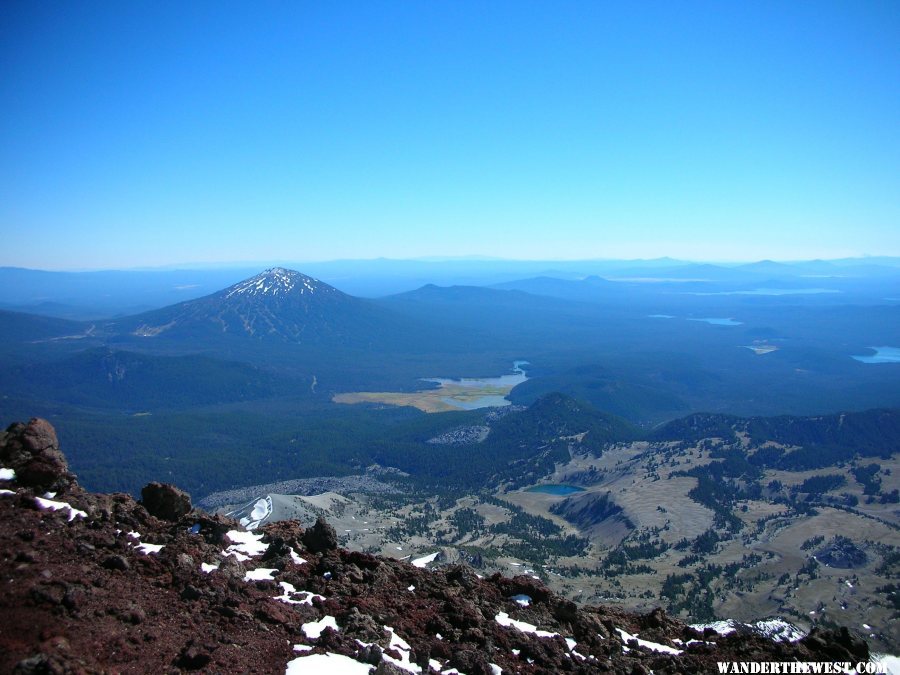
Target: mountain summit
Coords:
[[276, 304], [278, 281]]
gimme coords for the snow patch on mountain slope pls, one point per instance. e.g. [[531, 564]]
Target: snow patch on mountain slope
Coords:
[[424, 560], [274, 282], [262, 509], [776, 629]]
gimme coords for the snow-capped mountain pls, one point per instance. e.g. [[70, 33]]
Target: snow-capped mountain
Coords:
[[278, 281], [277, 304]]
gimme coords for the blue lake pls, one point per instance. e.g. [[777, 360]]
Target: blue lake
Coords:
[[555, 489], [476, 403], [489, 399], [882, 355], [518, 377], [720, 322], [772, 291]]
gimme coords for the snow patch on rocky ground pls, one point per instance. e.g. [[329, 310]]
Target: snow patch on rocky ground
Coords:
[[313, 629], [60, 506], [260, 574], [652, 646], [246, 545], [333, 664], [141, 546], [147, 549], [503, 619], [402, 647], [289, 593]]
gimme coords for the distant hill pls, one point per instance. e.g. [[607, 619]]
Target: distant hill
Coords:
[[819, 440], [18, 326], [590, 289], [477, 304], [605, 390]]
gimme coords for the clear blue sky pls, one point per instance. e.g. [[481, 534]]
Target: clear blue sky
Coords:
[[148, 133]]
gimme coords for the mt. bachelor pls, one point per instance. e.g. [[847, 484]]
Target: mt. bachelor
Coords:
[[275, 304]]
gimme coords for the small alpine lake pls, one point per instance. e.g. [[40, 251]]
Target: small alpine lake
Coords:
[[718, 321], [557, 489], [882, 355]]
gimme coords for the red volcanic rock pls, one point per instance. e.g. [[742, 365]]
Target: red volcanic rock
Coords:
[[320, 537], [32, 451], [91, 592], [164, 501]]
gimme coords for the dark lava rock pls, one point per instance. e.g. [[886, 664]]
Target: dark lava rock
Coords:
[[212, 527], [525, 585], [470, 661], [371, 655], [166, 502], [320, 537], [838, 644], [39, 664], [191, 592], [117, 562], [32, 451], [279, 548], [463, 575], [193, 658], [362, 626], [232, 568]]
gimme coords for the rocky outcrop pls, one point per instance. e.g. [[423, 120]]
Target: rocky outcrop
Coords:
[[99, 583], [320, 537], [32, 451], [164, 501]]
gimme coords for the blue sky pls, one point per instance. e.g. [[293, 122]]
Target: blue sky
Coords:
[[153, 133]]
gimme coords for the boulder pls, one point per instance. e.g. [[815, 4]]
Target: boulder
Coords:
[[320, 537], [32, 451], [165, 502]]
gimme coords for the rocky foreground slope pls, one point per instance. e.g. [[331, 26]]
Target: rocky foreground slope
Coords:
[[102, 583]]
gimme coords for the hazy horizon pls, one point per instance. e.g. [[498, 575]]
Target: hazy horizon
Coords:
[[474, 259]]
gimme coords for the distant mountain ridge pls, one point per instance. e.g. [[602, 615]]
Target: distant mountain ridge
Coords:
[[112, 293]]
